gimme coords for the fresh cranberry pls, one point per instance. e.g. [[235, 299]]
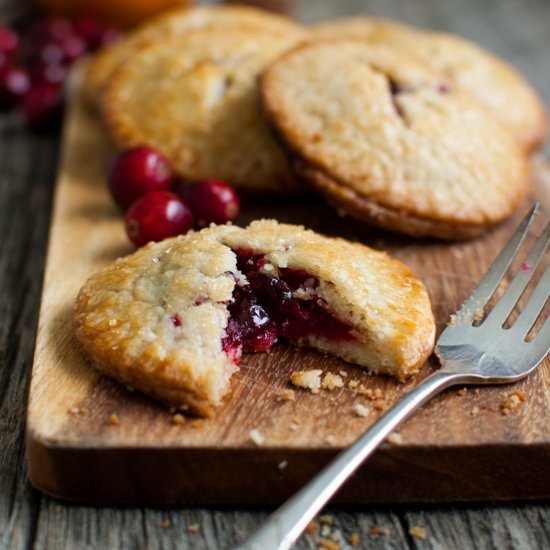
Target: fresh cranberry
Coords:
[[95, 32], [42, 106], [52, 74], [9, 41], [136, 172], [14, 84], [156, 216], [50, 28], [212, 201]]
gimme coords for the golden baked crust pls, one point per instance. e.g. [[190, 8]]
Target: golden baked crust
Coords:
[[492, 81], [125, 314], [176, 23], [391, 142], [195, 98]]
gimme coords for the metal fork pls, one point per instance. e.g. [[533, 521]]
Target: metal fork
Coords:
[[470, 353]]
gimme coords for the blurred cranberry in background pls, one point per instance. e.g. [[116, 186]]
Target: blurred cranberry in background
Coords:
[[35, 62]]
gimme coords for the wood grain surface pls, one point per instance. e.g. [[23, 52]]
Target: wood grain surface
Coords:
[[30, 519], [448, 449]]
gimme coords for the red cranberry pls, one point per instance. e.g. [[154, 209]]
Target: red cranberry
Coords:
[[212, 201], [9, 41], [42, 106], [14, 84], [136, 172], [94, 32], [156, 216]]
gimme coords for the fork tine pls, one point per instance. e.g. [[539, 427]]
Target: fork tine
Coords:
[[492, 278], [534, 306], [517, 286]]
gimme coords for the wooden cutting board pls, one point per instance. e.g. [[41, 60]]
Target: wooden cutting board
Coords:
[[458, 447]]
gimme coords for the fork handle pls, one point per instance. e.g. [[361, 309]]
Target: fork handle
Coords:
[[286, 524]]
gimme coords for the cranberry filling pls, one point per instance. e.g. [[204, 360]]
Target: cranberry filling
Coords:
[[267, 308]]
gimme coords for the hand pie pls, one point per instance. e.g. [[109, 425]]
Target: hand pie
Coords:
[[172, 319], [195, 98], [391, 142]]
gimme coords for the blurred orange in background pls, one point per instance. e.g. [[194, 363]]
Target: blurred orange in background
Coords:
[[123, 13]]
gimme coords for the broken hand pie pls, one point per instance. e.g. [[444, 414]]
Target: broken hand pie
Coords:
[[172, 319]]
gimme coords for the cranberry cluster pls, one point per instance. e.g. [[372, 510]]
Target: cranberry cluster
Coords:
[[157, 206], [33, 65]]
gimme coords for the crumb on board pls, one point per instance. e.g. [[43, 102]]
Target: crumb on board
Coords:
[[369, 393], [307, 379], [114, 420], [256, 436], [380, 405], [326, 519], [282, 465], [418, 532], [313, 527], [395, 439], [332, 381], [165, 524], [194, 528], [343, 373], [479, 313], [361, 410], [353, 383], [286, 395], [512, 401], [452, 320], [327, 544], [462, 392], [355, 539], [178, 419], [378, 530]]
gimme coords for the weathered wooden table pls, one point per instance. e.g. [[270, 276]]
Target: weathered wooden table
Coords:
[[515, 29]]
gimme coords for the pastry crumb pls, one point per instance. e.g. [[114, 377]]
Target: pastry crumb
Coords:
[[84, 411], [330, 439], [257, 437], [194, 528], [332, 381], [178, 419], [369, 393], [327, 544], [307, 379], [452, 320], [380, 405], [361, 410], [343, 373], [479, 313], [395, 439], [286, 395], [73, 411], [378, 530], [353, 383], [355, 539], [326, 519], [512, 401], [462, 392], [114, 420], [474, 411], [294, 427], [418, 532]]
